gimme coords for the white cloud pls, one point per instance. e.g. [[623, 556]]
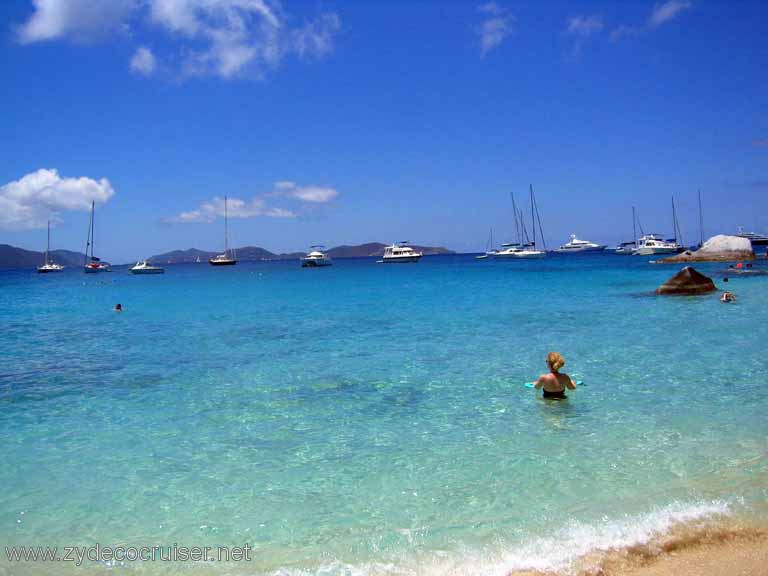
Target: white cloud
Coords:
[[315, 39], [661, 14], [585, 25], [77, 19], [224, 38], [39, 196], [496, 26], [666, 11], [236, 208], [143, 61], [209, 210], [313, 194]]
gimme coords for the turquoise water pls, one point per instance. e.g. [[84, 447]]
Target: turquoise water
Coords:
[[372, 419]]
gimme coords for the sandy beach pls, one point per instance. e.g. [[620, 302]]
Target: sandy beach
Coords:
[[714, 550]]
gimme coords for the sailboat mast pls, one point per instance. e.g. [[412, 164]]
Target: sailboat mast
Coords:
[[634, 227], [48, 245], [701, 222], [533, 220], [226, 228], [678, 232], [517, 224], [538, 219]]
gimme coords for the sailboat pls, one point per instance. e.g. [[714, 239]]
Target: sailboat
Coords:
[[628, 248], [93, 264], [49, 266], [510, 249], [651, 244], [224, 259], [529, 250], [489, 249]]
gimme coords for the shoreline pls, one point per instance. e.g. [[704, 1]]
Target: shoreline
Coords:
[[724, 547]]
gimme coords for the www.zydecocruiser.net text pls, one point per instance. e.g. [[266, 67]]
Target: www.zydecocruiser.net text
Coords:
[[97, 553]]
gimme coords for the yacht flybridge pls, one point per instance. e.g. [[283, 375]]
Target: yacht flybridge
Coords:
[[400, 253], [224, 259], [144, 267], [316, 258], [576, 245], [93, 264], [49, 266]]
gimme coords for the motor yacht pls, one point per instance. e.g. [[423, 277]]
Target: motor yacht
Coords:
[[144, 267], [316, 258], [576, 245], [650, 244], [625, 248], [400, 253], [755, 239]]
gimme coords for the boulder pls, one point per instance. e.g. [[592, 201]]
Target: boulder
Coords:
[[717, 249], [687, 282]]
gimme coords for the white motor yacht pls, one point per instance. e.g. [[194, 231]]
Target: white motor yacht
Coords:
[[316, 258], [650, 244], [47, 265], [625, 248], [576, 245], [400, 253], [144, 267], [755, 239]]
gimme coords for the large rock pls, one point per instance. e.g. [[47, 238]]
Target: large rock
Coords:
[[687, 282], [719, 248]]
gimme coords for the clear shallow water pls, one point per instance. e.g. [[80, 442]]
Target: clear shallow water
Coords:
[[372, 418]]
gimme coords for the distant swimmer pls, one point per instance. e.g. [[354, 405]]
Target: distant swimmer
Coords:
[[727, 297], [555, 383], [118, 307]]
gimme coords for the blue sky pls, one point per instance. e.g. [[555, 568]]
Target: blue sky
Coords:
[[345, 122]]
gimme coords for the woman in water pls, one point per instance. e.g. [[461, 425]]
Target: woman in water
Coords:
[[555, 383]]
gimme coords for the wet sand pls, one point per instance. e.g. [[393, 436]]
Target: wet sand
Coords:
[[715, 550]]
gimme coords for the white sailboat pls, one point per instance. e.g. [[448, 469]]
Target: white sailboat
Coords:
[[489, 249], [49, 266], [224, 259], [528, 248], [628, 248], [652, 244], [92, 264]]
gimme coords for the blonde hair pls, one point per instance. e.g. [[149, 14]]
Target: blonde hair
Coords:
[[555, 361]]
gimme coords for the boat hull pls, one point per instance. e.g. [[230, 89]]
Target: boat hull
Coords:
[[315, 263], [400, 259], [580, 250], [43, 270], [95, 270], [222, 262], [521, 255], [643, 251]]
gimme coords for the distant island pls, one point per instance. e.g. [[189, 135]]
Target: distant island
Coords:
[[256, 254], [14, 257]]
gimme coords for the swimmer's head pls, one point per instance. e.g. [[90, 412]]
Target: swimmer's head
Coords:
[[555, 361]]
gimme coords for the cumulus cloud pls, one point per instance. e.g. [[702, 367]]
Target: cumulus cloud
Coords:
[[78, 19], [666, 11], [209, 210], [497, 24], [224, 38], [39, 196], [143, 62]]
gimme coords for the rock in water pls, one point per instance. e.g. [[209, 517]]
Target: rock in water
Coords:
[[717, 249], [687, 282]]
